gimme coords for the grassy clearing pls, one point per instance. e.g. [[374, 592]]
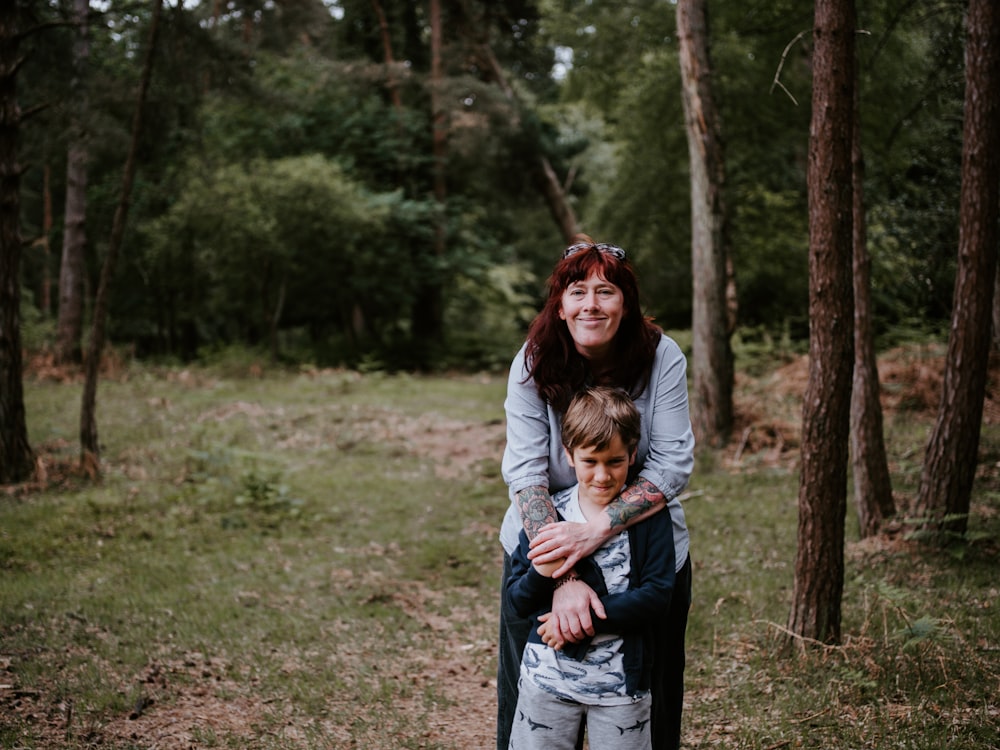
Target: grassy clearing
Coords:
[[309, 560]]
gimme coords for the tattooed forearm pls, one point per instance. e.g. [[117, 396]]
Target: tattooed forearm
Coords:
[[536, 509], [638, 500]]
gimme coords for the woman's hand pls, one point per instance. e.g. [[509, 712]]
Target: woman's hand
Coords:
[[570, 620], [568, 540]]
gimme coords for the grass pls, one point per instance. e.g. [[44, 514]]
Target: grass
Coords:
[[309, 560]]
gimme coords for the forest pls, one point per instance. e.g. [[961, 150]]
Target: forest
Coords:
[[308, 185]]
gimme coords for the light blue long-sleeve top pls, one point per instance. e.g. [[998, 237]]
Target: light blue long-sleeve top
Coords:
[[534, 456]]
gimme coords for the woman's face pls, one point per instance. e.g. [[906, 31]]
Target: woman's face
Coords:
[[593, 310]]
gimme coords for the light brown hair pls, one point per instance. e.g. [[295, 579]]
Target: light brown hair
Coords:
[[596, 415]]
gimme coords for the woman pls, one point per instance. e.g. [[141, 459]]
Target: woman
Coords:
[[591, 331]]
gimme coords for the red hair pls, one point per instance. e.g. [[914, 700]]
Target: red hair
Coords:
[[558, 369]]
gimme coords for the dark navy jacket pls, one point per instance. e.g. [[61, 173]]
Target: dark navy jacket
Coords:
[[632, 614]]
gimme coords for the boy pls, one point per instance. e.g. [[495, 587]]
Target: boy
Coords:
[[604, 679]]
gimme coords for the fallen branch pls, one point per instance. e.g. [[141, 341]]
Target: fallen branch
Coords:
[[141, 705], [796, 636]]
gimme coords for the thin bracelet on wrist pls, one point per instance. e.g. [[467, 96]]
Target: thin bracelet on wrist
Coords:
[[571, 576]]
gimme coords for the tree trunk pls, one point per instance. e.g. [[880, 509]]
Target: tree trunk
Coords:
[[16, 457], [69, 328], [950, 462], [274, 319], [712, 356], [427, 314], [89, 444], [45, 298], [560, 209], [819, 562], [390, 61], [996, 313], [439, 122], [872, 485]]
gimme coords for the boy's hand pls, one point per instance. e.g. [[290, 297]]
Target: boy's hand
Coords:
[[548, 568], [572, 606], [548, 637]]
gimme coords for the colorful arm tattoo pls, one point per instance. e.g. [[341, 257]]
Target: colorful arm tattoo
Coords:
[[636, 501], [536, 509]]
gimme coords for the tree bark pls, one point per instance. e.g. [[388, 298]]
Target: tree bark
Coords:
[[996, 313], [89, 444], [944, 495], [712, 355], [819, 562], [16, 456], [427, 308], [69, 327], [560, 209], [390, 61], [427, 314], [45, 298], [872, 484], [439, 117]]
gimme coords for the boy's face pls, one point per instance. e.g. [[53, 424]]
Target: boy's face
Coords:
[[601, 474]]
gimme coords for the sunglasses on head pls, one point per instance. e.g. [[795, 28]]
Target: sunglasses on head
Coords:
[[613, 250]]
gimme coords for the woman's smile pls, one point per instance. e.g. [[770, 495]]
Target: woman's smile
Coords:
[[593, 310]]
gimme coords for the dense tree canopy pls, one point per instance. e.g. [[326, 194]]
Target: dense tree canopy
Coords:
[[285, 193]]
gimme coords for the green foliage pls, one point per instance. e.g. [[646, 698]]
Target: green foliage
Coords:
[[37, 332], [624, 70], [767, 262], [757, 349], [918, 631], [488, 316], [940, 531], [351, 304], [245, 96], [913, 77], [656, 232], [292, 240]]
